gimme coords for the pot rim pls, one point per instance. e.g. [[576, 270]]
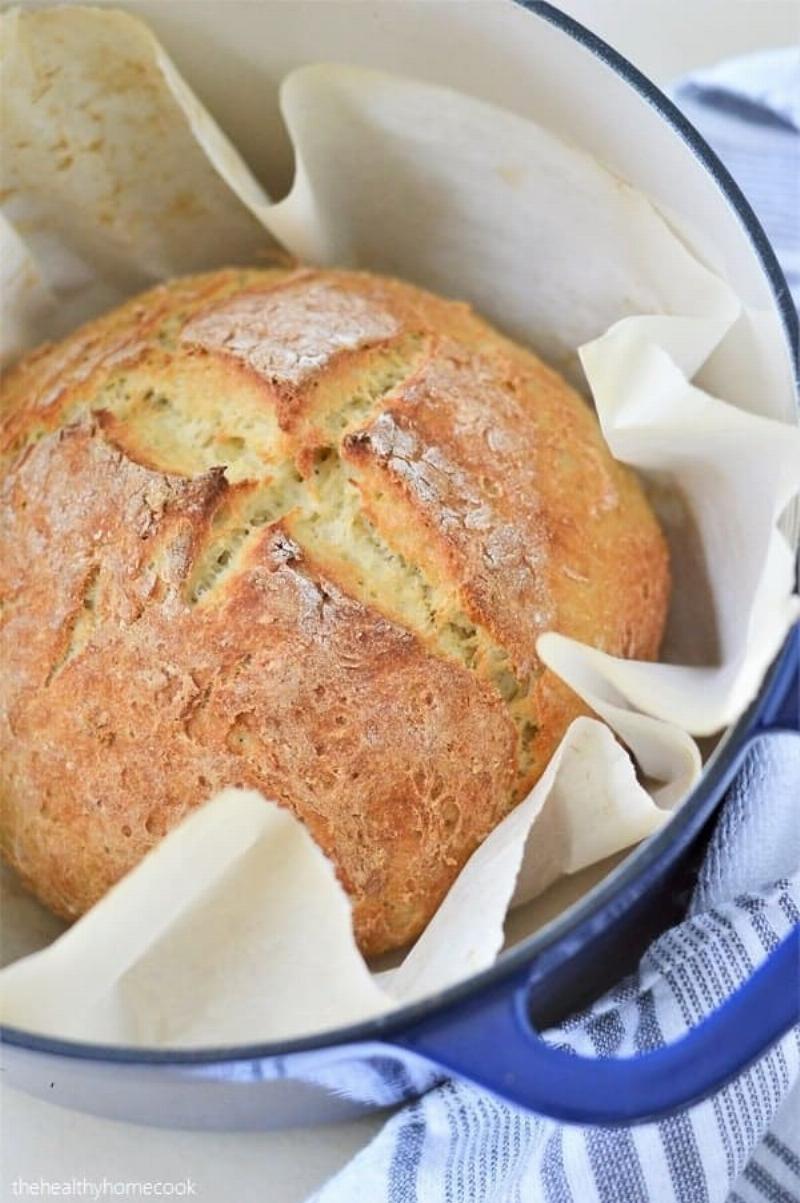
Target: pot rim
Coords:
[[692, 813]]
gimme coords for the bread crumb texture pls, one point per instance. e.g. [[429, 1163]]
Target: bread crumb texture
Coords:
[[298, 531]]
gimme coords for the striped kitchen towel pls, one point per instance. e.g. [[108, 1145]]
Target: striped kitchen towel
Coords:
[[457, 1144], [749, 111]]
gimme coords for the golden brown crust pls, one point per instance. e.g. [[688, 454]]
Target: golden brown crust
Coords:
[[298, 531]]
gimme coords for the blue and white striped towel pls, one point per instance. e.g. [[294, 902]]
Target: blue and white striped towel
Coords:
[[457, 1144]]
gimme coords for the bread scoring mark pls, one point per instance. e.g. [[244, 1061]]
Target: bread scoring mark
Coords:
[[445, 490], [292, 485], [173, 417], [67, 369], [331, 524], [243, 510], [84, 360], [452, 471], [289, 334], [81, 625], [59, 377], [343, 399], [429, 474]]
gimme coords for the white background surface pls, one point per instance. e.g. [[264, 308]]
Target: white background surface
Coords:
[[664, 38]]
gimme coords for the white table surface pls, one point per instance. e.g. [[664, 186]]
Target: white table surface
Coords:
[[665, 38]]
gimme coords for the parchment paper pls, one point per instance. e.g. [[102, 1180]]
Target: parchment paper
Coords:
[[235, 928]]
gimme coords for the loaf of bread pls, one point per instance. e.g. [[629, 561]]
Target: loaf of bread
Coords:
[[298, 531]]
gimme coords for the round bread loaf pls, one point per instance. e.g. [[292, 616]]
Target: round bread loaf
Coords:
[[298, 531]]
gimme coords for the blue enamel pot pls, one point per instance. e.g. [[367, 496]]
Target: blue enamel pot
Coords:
[[534, 59]]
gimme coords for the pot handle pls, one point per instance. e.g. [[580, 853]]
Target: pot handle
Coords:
[[490, 1040]]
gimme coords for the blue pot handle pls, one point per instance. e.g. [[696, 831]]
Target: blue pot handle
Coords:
[[489, 1038], [493, 1043]]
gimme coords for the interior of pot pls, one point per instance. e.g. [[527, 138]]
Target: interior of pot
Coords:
[[536, 64]]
